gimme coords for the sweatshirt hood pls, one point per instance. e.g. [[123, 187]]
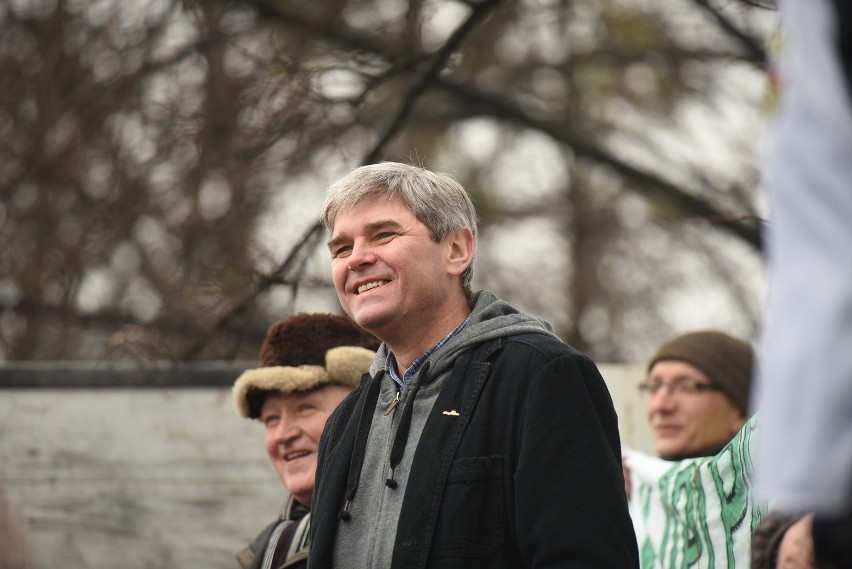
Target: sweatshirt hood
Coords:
[[490, 318]]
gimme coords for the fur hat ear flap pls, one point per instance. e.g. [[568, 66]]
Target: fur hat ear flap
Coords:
[[295, 357]]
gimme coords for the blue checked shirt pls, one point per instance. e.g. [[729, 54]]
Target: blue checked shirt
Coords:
[[390, 365]]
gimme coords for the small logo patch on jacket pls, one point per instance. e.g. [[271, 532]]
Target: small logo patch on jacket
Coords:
[[452, 413]]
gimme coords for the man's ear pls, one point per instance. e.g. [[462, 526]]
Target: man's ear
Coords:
[[459, 250]]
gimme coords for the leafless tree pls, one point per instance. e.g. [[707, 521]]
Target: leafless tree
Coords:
[[162, 162]]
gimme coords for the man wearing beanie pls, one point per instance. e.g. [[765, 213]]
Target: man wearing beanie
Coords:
[[697, 393], [308, 364]]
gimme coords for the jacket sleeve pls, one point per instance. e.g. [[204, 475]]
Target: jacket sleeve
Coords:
[[570, 504]]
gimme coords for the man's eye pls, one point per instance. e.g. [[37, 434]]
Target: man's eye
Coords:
[[342, 251], [384, 235], [270, 422]]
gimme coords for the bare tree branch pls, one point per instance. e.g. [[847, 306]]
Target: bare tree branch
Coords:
[[649, 184], [755, 51], [480, 10], [294, 263]]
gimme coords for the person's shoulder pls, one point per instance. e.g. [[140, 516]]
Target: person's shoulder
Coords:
[[545, 344], [538, 351], [246, 556]]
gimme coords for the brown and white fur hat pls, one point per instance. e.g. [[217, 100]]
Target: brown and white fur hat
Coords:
[[303, 352]]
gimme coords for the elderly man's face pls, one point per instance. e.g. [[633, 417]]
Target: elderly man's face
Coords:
[[294, 423], [685, 420]]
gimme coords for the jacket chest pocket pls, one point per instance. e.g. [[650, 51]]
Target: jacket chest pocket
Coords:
[[470, 521]]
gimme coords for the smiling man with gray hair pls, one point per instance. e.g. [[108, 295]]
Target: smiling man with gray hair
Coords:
[[480, 439]]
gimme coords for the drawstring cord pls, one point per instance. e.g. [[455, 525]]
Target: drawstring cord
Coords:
[[402, 430], [399, 441], [364, 421]]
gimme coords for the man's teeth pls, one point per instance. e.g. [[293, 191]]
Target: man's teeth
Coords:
[[297, 454], [368, 286]]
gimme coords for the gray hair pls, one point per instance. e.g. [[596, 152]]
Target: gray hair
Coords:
[[435, 199]]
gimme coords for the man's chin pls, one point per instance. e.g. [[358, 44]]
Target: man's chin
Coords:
[[669, 452], [300, 491], [371, 320], [304, 499]]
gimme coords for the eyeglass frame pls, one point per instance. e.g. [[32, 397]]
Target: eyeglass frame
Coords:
[[686, 387]]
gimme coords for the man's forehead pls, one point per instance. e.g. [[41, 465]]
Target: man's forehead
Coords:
[[344, 225], [372, 200], [284, 398], [679, 369]]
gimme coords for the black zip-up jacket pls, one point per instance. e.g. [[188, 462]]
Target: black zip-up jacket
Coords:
[[527, 475]]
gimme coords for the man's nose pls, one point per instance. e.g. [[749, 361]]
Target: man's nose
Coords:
[[287, 430], [362, 255], [662, 399]]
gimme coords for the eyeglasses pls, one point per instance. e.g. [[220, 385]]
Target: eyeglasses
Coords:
[[678, 387]]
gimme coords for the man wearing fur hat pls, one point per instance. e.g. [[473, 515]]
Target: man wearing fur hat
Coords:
[[480, 439], [308, 364]]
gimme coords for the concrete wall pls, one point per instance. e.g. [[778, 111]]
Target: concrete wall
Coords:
[[158, 478]]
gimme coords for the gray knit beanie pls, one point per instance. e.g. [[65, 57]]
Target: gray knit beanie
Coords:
[[726, 360]]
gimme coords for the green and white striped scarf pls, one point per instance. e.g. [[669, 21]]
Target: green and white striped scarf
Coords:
[[695, 513]]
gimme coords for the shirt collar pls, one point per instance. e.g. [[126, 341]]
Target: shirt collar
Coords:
[[415, 366]]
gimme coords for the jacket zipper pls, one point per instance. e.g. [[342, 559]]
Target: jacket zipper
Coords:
[[393, 404]]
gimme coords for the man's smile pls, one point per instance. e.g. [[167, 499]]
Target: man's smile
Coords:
[[295, 454], [370, 285]]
